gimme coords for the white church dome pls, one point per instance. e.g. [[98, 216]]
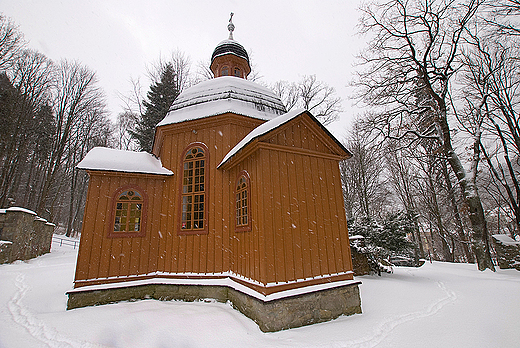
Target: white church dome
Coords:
[[222, 95]]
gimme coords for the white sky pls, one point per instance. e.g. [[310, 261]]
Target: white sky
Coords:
[[118, 39]]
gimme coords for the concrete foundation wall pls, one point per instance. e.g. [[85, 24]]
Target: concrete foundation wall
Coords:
[[29, 235], [275, 315]]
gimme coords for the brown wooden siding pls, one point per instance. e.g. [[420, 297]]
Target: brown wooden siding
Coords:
[[298, 226], [304, 227], [101, 256], [300, 136], [212, 252]]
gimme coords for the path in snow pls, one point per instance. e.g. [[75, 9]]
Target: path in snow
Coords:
[[439, 304], [389, 324], [37, 328], [44, 334]]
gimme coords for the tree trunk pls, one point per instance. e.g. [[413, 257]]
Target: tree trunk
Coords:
[[479, 232], [458, 220]]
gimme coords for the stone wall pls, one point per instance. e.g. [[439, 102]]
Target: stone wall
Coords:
[[274, 315], [23, 235], [508, 251]]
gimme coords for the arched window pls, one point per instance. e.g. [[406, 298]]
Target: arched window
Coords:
[[193, 193], [242, 203], [128, 215], [224, 71], [237, 72]]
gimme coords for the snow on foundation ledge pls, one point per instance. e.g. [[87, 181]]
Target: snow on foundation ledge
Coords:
[[505, 239], [18, 209], [225, 282], [102, 158]]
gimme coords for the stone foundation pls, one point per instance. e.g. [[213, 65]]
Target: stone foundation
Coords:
[[273, 315]]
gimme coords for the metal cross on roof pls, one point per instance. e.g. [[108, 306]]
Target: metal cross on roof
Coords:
[[231, 26]]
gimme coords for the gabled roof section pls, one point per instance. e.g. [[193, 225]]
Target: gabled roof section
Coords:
[[274, 124], [105, 159]]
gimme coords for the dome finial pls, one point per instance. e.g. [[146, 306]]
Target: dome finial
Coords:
[[231, 26]]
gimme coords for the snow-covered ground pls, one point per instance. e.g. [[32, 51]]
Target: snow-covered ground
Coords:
[[437, 305]]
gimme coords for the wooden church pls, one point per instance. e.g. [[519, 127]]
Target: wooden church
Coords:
[[240, 201]]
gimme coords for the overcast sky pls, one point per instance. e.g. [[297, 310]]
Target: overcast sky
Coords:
[[118, 39]]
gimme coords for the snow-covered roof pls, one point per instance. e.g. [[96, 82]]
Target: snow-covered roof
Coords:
[[261, 130], [102, 158], [222, 95], [270, 126], [505, 239]]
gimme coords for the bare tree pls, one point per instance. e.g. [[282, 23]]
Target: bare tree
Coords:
[[406, 73], [203, 72], [123, 138], [181, 65], [503, 16], [363, 179], [92, 129], [11, 42], [401, 178], [169, 77], [133, 99], [491, 85], [27, 84], [310, 94], [76, 95]]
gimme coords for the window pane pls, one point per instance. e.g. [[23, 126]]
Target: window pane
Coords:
[[131, 224], [193, 179], [128, 214]]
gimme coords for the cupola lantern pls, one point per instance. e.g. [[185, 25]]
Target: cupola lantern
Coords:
[[229, 57]]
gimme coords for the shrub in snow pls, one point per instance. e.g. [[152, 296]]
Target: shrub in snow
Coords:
[[384, 240]]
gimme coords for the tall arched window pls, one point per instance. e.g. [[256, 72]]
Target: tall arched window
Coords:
[[193, 192], [242, 203], [224, 71], [128, 215]]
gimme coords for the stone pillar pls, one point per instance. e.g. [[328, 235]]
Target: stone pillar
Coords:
[[5, 251], [48, 231], [508, 251]]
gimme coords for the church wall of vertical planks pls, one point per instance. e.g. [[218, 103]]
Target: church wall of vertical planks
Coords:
[[240, 201]]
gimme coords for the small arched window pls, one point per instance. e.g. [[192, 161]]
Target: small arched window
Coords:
[[224, 71], [128, 214], [237, 72], [242, 204], [193, 196]]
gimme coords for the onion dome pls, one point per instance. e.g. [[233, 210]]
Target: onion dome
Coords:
[[229, 57], [230, 47]]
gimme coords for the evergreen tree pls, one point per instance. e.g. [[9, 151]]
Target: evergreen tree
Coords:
[[385, 240], [160, 98]]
